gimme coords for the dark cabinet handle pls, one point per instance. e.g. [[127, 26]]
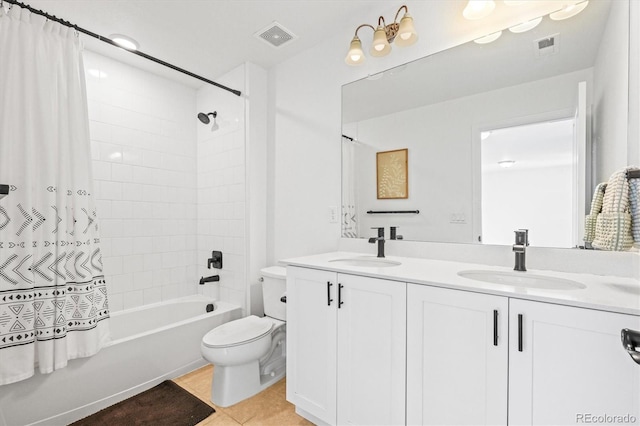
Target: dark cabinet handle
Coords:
[[495, 327], [630, 342], [329, 299], [340, 302], [519, 332]]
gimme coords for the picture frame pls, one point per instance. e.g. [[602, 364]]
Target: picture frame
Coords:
[[392, 176]]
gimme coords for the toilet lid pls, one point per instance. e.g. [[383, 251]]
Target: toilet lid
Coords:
[[237, 332]]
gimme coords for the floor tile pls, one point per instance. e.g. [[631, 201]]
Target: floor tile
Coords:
[[267, 408]]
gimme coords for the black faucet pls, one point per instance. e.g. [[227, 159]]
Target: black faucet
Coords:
[[519, 248], [379, 240], [212, 278], [393, 235]]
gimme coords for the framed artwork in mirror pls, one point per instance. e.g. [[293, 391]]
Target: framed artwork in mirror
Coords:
[[392, 175]]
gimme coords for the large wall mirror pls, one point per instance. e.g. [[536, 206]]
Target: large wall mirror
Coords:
[[511, 134]]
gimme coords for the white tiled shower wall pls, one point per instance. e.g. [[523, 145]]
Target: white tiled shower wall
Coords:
[[143, 142], [221, 182]]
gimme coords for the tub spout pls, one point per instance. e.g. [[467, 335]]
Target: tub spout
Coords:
[[212, 278]]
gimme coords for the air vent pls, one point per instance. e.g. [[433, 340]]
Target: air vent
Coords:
[[546, 46], [275, 34]]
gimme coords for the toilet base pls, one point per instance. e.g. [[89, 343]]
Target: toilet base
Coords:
[[232, 384]]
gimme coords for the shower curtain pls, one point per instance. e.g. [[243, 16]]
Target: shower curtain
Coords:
[[53, 299], [349, 203]]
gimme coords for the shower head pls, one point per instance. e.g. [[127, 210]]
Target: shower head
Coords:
[[204, 118]]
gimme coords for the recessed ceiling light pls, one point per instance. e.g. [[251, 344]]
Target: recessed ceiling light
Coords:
[[488, 38], [124, 41], [569, 11], [506, 163], [525, 26]]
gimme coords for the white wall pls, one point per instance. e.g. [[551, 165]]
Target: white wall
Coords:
[[304, 128], [144, 156], [222, 188], [305, 125], [441, 154], [611, 94], [633, 149]]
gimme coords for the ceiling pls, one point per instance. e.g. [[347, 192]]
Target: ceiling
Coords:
[[206, 37], [212, 37]]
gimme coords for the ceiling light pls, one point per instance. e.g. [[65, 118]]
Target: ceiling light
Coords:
[[505, 164], [402, 34], [478, 9], [124, 41], [525, 26], [488, 38], [569, 11]]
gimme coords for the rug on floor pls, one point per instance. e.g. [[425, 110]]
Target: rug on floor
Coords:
[[165, 404]]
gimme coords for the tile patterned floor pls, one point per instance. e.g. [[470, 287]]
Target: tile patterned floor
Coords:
[[267, 408]]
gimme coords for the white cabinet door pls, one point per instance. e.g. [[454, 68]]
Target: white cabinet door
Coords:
[[311, 341], [371, 351], [567, 366], [457, 349]]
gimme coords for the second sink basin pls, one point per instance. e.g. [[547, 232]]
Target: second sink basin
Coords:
[[522, 279], [366, 261]]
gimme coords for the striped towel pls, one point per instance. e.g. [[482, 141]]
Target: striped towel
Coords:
[[613, 225], [634, 208], [596, 208]]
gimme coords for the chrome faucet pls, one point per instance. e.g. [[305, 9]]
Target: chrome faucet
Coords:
[[520, 247], [379, 240]]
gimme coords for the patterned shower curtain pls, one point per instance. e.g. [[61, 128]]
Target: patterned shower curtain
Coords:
[[349, 202], [53, 299]]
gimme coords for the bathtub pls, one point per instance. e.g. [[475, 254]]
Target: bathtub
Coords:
[[148, 345]]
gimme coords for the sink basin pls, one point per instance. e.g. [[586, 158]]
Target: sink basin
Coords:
[[366, 261], [626, 288], [522, 279]]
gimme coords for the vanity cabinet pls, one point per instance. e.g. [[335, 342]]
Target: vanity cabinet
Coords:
[[457, 356], [346, 347], [568, 363], [469, 355]]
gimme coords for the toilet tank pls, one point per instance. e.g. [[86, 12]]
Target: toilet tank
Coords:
[[274, 287]]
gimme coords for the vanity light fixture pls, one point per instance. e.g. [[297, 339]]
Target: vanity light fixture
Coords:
[[478, 9], [525, 26], [402, 34], [569, 11], [488, 38], [505, 164], [125, 42]]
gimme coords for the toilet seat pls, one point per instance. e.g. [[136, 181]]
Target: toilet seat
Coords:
[[238, 332]]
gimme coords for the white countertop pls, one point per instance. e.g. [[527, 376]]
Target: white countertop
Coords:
[[607, 293]]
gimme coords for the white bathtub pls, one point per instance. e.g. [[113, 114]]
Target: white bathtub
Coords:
[[149, 344]]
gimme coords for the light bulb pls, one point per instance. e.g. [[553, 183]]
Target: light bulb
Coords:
[[355, 56], [488, 38], [478, 9], [569, 11], [525, 26]]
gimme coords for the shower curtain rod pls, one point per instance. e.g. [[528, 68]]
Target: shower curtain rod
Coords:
[[109, 41]]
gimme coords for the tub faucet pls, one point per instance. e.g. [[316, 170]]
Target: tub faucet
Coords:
[[379, 240], [212, 278], [519, 248]]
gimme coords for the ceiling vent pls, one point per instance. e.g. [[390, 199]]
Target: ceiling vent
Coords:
[[275, 35], [549, 45]]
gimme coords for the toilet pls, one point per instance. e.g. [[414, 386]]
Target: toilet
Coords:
[[249, 354]]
